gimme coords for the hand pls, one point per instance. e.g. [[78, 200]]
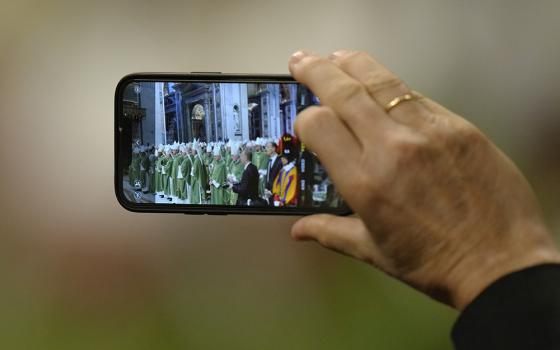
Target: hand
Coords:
[[438, 205]]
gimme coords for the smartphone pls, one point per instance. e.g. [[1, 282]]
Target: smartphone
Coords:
[[213, 143]]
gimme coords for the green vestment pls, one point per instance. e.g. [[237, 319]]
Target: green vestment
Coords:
[[236, 170], [183, 177], [134, 172], [260, 159], [176, 161], [151, 173], [198, 181], [158, 176], [166, 174], [144, 167], [217, 179]]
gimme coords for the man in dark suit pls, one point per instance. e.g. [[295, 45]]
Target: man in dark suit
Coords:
[[248, 187], [274, 166]]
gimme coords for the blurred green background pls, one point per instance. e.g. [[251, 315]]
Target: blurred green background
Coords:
[[79, 272]]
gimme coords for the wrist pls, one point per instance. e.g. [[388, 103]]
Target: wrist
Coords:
[[484, 269]]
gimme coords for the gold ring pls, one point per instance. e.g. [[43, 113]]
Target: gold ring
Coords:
[[395, 102]]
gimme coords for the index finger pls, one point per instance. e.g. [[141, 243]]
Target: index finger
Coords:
[[344, 94]]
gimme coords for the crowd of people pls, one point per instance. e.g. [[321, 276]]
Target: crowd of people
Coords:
[[259, 172]]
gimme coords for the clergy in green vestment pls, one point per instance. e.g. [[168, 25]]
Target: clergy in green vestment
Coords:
[[227, 158], [234, 173], [224, 151], [166, 172], [152, 173], [144, 167], [218, 179], [260, 159], [256, 150], [183, 176], [208, 158], [198, 178], [158, 168], [177, 159], [208, 164]]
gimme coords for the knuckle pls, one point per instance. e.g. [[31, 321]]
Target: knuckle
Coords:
[[345, 90], [465, 139], [470, 134], [379, 80], [369, 185], [408, 148]]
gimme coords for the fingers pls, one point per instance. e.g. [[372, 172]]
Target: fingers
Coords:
[[323, 132], [381, 84], [347, 235], [344, 94]]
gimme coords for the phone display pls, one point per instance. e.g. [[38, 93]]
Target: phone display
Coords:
[[217, 143]]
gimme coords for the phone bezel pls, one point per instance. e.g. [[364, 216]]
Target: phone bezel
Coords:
[[190, 208]]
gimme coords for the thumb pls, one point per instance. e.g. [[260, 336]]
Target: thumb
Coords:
[[346, 235]]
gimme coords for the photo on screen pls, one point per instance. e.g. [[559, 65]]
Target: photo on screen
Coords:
[[220, 144]]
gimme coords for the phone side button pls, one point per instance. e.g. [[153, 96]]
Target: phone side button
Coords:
[[206, 72]]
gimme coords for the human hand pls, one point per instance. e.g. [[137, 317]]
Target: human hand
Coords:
[[439, 206]]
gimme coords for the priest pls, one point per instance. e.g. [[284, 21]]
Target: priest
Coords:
[[235, 170], [218, 178], [198, 177], [183, 175], [260, 159]]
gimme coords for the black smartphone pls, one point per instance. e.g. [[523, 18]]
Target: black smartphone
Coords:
[[212, 143]]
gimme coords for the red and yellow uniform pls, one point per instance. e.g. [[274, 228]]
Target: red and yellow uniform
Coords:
[[285, 186]]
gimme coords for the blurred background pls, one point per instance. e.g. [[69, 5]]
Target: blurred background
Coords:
[[79, 272]]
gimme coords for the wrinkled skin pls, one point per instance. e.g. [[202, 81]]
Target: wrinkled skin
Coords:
[[437, 204]]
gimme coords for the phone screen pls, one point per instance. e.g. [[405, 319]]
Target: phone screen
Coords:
[[224, 144]]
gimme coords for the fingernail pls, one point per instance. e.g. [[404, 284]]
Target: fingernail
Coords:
[[298, 56], [339, 54]]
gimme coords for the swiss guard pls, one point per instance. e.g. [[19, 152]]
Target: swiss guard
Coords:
[[285, 188], [288, 142]]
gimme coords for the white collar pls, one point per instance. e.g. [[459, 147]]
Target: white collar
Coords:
[[288, 166], [246, 165], [273, 157]]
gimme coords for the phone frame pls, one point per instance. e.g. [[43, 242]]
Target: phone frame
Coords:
[[217, 77]]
